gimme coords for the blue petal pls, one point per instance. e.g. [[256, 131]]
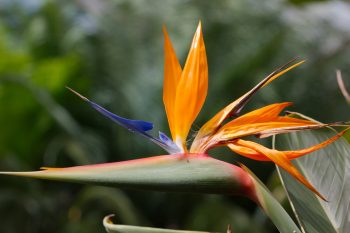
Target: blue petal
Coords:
[[137, 126], [172, 147], [166, 140], [133, 125], [140, 127]]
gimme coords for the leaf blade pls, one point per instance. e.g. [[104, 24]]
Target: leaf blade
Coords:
[[116, 228], [272, 207], [328, 170]]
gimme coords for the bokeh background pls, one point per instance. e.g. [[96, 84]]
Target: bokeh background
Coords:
[[112, 52]]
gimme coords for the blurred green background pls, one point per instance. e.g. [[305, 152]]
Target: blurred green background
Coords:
[[112, 52]]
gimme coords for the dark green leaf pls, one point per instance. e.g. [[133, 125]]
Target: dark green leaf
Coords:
[[114, 228]]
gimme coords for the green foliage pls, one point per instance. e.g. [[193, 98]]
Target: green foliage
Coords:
[[112, 228], [328, 171], [273, 208]]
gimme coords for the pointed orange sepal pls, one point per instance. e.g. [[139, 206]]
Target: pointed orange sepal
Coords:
[[265, 114], [280, 159], [261, 122], [235, 107], [298, 153], [291, 154], [261, 130], [191, 90], [247, 152], [172, 75]]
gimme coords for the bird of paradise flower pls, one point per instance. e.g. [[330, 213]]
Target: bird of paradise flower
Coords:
[[184, 93]]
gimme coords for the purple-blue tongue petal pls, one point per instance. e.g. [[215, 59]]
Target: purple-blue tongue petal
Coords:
[[136, 126], [164, 138], [133, 125], [170, 143]]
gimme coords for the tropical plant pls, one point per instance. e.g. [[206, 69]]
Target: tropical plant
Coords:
[[192, 170]]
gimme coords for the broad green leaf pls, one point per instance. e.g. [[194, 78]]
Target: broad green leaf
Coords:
[[272, 207], [329, 171], [114, 228]]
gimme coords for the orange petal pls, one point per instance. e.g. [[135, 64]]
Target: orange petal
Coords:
[[235, 107], [280, 158], [172, 74], [230, 132], [262, 128], [254, 123], [191, 90], [298, 153], [265, 122], [264, 114], [247, 152], [291, 154], [290, 127]]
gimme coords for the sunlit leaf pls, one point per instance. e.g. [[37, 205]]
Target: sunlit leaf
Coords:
[[329, 171]]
